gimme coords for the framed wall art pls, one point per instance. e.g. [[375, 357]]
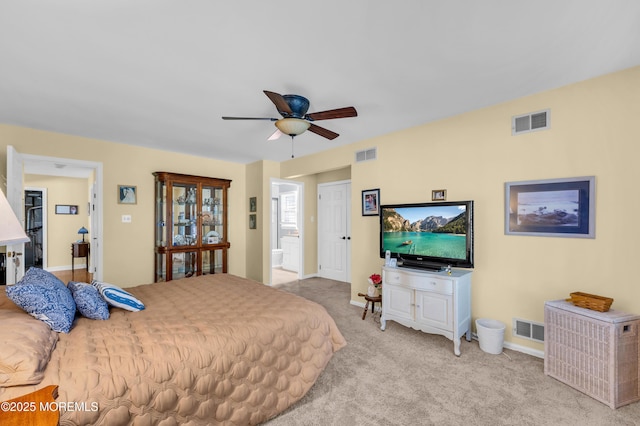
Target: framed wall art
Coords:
[[551, 208], [439, 195], [66, 209], [371, 202], [127, 194]]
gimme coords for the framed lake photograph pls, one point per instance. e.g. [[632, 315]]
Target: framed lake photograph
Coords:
[[551, 208]]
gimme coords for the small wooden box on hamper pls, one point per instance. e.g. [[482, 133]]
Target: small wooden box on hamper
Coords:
[[594, 352]]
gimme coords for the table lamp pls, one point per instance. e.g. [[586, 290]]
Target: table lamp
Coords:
[[83, 231], [11, 231]]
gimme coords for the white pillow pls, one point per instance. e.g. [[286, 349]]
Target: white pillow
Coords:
[[115, 296], [26, 348]]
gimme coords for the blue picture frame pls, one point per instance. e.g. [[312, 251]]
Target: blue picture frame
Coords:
[[551, 208]]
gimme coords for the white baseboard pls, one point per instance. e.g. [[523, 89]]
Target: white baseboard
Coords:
[[508, 345], [76, 266]]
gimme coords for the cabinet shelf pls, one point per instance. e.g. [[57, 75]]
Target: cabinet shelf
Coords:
[[191, 225]]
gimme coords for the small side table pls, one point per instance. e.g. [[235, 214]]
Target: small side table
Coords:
[[372, 300], [79, 249]]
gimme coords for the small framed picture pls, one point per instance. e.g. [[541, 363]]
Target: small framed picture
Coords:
[[371, 202], [253, 204], [127, 194], [252, 221], [439, 195], [66, 209]]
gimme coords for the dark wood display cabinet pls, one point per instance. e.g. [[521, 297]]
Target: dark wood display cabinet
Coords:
[[190, 225]]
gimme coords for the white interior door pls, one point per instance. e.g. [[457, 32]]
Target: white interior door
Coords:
[[95, 241], [15, 194], [334, 231]]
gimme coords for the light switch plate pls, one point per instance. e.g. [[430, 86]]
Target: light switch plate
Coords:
[[126, 218]]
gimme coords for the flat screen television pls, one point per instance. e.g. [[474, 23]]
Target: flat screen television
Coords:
[[428, 235]]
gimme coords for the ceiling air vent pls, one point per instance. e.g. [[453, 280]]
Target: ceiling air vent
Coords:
[[528, 330], [531, 122], [366, 155]]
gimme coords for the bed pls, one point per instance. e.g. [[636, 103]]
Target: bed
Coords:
[[213, 349]]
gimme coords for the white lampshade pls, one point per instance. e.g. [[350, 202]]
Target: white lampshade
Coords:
[[11, 231], [292, 126]]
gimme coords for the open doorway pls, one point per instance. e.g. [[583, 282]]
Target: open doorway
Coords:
[[35, 210], [287, 236], [19, 165]]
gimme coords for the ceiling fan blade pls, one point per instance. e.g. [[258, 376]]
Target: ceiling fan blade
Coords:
[[279, 101], [326, 133], [275, 135], [250, 118], [333, 113]]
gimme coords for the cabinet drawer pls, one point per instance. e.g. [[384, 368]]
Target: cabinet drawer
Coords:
[[426, 283], [438, 285]]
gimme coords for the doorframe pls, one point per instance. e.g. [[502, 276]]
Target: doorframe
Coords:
[[45, 224], [67, 167], [300, 185]]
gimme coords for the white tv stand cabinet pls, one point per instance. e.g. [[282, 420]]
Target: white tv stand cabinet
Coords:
[[432, 302]]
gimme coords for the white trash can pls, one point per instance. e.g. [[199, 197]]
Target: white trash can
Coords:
[[490, 335]]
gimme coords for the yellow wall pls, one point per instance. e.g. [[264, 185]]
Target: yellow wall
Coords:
[[255, 236], [62, 229], [472, 155], [128, 247]]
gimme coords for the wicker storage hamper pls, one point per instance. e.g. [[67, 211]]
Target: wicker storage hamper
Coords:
[[593, 352]]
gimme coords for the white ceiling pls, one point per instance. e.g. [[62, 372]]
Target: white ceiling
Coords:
[[161, 73]]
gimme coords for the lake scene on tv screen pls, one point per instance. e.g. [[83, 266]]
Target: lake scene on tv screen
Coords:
[[426, 231]]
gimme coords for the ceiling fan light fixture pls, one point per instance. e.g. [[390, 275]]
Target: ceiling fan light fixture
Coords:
[[292, 126]]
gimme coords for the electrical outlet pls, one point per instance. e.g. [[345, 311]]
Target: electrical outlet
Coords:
[[126, 218]]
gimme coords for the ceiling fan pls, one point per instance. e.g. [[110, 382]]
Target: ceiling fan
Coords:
[[295, 120]]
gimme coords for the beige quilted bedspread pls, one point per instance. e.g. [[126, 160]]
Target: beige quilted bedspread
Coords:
[[216, 349]]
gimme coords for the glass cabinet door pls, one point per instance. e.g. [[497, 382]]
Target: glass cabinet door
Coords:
[[212, 262], [161, 214], [185, 215], [212, 215], [161, 267], [184, 264]]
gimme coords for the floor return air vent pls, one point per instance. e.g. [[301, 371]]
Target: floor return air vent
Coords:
[[528, 329]]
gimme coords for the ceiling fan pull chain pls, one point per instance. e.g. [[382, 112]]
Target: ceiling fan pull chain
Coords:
[[291, 146]]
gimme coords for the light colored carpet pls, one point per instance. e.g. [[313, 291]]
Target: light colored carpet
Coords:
[[405, 377]]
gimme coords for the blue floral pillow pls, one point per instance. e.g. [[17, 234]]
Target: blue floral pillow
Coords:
[[88, 301], [43, 296]]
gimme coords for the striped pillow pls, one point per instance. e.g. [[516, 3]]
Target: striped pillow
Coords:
[[115, 296]]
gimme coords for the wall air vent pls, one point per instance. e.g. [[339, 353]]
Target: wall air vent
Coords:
[[531, 122], [366, 155], [528, 330]]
